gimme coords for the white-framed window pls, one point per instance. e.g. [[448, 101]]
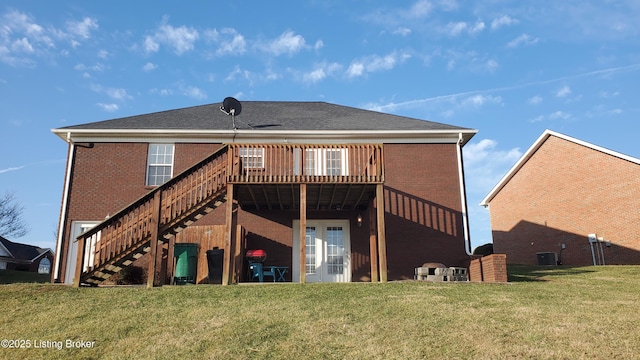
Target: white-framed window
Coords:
[[159, 164], [252, 158], [45, 266], [326, 162]]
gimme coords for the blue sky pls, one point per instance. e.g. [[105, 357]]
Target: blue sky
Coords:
[[510, 69]]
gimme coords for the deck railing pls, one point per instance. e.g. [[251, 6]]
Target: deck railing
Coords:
[[293, 163], [178, 201]]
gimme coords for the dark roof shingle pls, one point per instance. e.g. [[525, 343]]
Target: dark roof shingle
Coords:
[[268, 115]]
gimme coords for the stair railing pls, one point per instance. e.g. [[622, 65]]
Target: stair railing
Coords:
[[152, 215]]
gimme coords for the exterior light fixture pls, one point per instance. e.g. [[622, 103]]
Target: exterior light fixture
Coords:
[[359, 220]]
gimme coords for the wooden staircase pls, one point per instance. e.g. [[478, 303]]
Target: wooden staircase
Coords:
[[163, 212]]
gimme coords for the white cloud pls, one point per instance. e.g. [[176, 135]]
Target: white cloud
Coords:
[[556, 115], [108, 107], [118, 94], [150, 45], [563, 92], [454, 29], [491, 65], [315, 75], [180, 39], [478, 27], [448, 5], [103, 54], [194, 92], [318, 45], [559, 115], [536, 119], [480, 100], [504, 20], [320, 72], [534, 100], [149, 67], [231, 42], [522, 40], [402, 31], [162, 92], [421, 8], [485, 164], [606, 94], [22, 45], [355, 69], [376, 63], [82, 28], [287, 43]]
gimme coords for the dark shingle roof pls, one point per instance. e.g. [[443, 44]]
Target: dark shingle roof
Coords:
[[268, 115], [22, 251]]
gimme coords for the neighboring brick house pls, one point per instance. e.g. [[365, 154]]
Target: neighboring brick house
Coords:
[[570, 200], [379, 194], [24, 257]]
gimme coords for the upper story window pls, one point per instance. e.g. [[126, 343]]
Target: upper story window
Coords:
[[252, 158], [159, 164], [323, 162]]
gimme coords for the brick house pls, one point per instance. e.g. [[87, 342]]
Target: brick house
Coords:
[[374, 195], [24, 257], [570, 202]]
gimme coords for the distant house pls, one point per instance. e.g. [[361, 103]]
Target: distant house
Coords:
[[568, 201], [16, 256], [371, 196]]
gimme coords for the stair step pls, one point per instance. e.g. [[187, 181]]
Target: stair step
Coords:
[[126, 257]]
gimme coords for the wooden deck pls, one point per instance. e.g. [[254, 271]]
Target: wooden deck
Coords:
[[264, 176]]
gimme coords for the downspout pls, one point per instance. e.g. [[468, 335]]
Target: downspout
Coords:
[[463, 197], [63, 212]]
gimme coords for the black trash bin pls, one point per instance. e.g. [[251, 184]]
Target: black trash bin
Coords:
[[214, 260]]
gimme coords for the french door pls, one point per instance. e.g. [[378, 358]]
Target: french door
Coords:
[[328, 251]]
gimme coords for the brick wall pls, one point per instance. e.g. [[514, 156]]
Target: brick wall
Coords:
[[490, 268], [422, 210], [563, 193], [422, 207], [106, 177]]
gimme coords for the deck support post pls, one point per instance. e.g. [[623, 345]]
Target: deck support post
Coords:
[[382, 242], [153, 243], [231, 222], [79, 261], [373, 242], [303, 233]]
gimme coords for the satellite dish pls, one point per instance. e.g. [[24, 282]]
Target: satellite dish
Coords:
[[231, 106]]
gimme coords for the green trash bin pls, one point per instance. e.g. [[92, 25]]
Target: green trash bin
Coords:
[[186, 255]]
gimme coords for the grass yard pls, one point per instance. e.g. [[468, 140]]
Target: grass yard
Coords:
[[554, 313], [13, 276]]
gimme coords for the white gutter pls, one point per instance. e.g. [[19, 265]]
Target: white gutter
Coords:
[[265, 136], [63, 212], [463, 197]]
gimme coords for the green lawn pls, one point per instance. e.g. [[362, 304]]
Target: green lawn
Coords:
[[554, 313], [13, 276]]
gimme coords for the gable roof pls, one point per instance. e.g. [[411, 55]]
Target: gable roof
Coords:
[[265, 118], [532, 150], [23, 251]]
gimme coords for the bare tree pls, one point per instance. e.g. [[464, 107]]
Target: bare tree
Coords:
[[11, 222]]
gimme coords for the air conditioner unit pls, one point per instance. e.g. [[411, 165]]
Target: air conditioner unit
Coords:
[[547, 258]]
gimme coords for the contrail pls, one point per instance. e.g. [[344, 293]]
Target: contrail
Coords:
[[11, 169], [392, 106]]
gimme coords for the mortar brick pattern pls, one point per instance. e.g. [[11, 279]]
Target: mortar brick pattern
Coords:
[[422, 195], [564, 192]]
